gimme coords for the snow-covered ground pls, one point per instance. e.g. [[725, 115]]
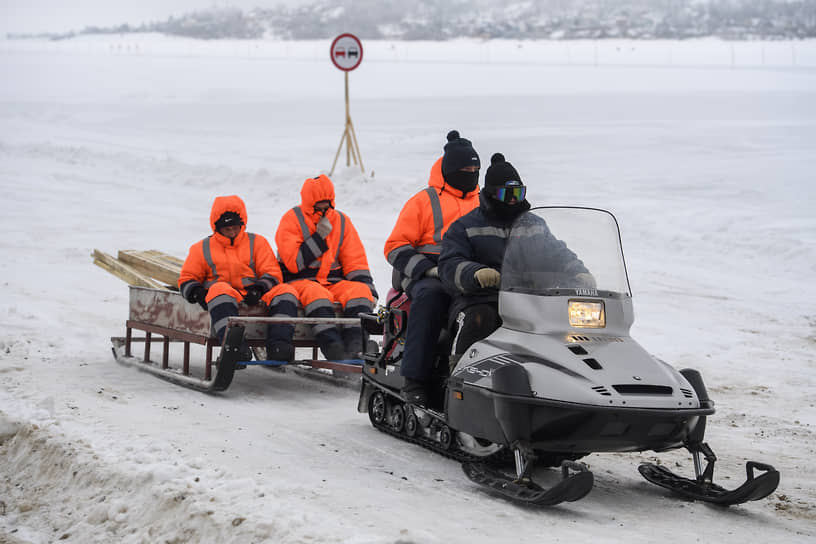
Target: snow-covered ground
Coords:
[[707, 165]]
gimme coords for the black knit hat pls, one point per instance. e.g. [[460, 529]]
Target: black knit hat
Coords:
[[500, 172], [228, 219], [459, 153]]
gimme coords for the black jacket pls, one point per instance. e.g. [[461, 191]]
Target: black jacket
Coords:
[[474, 241]]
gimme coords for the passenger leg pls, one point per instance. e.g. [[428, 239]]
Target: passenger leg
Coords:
[[317, 302], [429, 303], [282, 302], [222, 302], [355, 297]]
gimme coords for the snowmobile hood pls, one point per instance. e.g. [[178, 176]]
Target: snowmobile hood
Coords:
[[313, 191], [437, 181], [231, 203]]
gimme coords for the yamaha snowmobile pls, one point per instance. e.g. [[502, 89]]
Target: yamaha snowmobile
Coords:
[[560, 379]]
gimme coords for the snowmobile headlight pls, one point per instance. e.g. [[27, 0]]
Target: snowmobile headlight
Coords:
[[587, 314]]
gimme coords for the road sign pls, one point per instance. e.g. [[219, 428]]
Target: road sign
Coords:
[[346, 52]]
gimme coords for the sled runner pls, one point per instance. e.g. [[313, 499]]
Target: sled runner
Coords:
[[561, 378], [163, 317]]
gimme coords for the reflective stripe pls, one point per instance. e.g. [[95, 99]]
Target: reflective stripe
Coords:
[[304, 228], [252, 251], [530, 230], [436, 209], [433, 249], [208, 256], [342, 235], [412, 263], [392, 256], [312, 245], [457, 275], [487, 231], [283, 298], [362, 302], [317, 304], [250, 280], [205, 246], [222, 300], [357, 273]]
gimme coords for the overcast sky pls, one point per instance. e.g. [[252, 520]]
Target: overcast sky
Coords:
[[33, 16]]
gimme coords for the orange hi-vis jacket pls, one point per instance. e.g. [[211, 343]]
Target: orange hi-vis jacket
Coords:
[[303, 251], [246, 260], [416, 241]]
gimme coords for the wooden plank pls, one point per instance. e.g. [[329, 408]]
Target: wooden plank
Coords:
[[169, 259], [123, 271], [150, 265]]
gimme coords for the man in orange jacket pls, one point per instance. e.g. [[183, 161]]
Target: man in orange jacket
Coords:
[[324, 260], [233, 265], [413, 250]]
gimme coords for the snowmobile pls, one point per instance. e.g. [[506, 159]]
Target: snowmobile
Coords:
[[560, 379]]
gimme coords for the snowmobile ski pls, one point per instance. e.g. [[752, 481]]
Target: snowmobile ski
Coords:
[[754, 488], [576, 482]]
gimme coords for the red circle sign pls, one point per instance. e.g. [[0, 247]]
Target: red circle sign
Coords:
[[346, 52]]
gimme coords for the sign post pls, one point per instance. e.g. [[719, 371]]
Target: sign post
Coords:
[[346, 54]]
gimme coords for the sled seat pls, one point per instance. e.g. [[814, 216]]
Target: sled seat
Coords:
[[165, 313]]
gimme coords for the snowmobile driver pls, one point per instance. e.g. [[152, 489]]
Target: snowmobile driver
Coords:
[[232, 266], [472, 253], [413, 250], [325, 261]]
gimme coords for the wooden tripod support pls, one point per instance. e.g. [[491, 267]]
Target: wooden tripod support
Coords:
[[350, 138]]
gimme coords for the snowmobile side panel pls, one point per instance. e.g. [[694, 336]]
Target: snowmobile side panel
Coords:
[[562, 427]]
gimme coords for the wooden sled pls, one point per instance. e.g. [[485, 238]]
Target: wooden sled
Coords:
[[164, 317]]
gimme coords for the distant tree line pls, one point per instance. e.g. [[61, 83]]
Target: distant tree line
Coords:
[[486, 19]]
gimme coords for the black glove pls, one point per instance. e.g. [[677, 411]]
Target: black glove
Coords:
[[253, 295], [198, 295]]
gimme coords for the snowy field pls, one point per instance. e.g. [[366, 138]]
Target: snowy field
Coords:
[[705, 156]]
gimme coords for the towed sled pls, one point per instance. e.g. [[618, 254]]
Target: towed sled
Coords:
[[560, 379], [164, 317]]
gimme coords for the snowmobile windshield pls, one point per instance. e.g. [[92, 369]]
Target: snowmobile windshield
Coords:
[[565, 251]]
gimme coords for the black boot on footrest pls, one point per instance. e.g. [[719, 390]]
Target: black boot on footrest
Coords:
[[415, 392], [334, 352], [244, 355], [280, 351]]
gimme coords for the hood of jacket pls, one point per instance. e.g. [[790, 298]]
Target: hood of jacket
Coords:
[[231, 203], [437, 181], [313, 191]]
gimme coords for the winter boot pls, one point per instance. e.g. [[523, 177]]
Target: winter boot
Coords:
[[280, 351], [415, 392], [244, 355], [334, 351], [353, 342]]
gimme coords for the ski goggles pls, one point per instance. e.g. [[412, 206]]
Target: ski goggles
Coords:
[[511, 190]]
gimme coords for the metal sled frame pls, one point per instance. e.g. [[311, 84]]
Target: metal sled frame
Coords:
[[166, 314]]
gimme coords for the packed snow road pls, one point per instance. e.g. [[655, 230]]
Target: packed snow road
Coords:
[[707, 170]]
